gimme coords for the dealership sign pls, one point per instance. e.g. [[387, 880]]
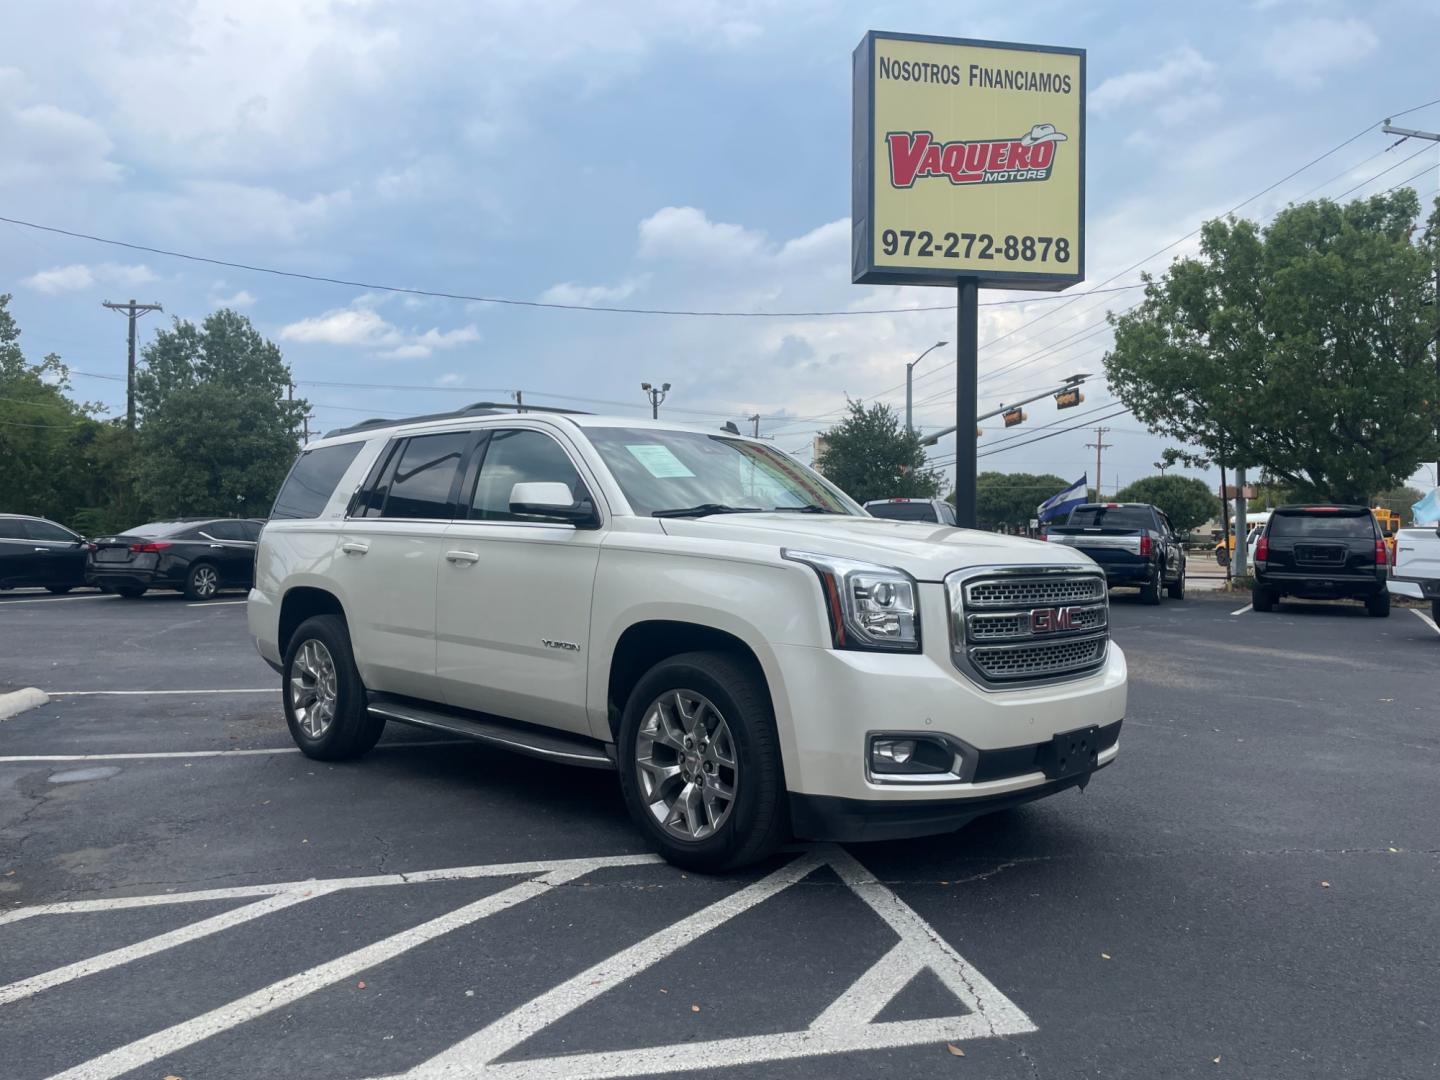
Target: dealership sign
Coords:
[[968, 163]]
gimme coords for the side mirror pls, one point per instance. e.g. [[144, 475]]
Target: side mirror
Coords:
[[550, 501]]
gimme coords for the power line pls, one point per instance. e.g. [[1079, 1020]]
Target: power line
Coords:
[[506, 301]]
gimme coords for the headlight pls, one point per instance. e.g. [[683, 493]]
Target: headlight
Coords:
[[871, 607]]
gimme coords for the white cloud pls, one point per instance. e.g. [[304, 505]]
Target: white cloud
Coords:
[[79, 276], [567, 292], [224, 211], [361, 326], [44, 142], [242, 299], [1302, 52], [1182, 70], [685, 233]]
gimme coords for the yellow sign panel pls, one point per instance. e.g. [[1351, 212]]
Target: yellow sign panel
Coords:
[[969, 163]]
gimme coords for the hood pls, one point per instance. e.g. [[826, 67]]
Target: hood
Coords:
[[924, 550]]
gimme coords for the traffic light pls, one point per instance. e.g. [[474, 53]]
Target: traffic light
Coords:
[[1013, 417], [1068, 399]]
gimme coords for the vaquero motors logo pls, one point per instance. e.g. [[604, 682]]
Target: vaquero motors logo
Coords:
[[916, 154]]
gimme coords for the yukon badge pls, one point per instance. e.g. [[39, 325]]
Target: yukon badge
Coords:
[[567, 646]]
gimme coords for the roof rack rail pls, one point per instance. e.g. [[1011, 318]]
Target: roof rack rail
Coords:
[[478, 408]]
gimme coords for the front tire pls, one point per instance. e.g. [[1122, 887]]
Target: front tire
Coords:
[[1377, 606], [700, 766], [202, 583], [58, 590], [1435, 611], [1177, 589], [1152, 591], [326, 707], [130, 592]]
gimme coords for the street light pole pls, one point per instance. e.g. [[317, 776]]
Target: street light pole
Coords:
[[909, 370], [656, 396]]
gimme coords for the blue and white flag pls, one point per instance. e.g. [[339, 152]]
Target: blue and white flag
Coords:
[[1061, 503]]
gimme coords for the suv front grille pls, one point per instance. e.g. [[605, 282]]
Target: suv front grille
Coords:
[[1016, 627]]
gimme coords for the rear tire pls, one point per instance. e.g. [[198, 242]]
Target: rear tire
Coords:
[[58, 590], [130, 592], [716, 693], [1152, 591], [1377, 606], [326, 706], [203, 582], [1262, 599]]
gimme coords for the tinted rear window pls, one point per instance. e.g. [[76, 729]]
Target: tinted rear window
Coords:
[[312, 480], [1111, 517], [915, 511], [161, 528], [1347, 526]]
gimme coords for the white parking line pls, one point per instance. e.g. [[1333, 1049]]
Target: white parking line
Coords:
[[145, 693], [1426, 619], [1241, 611], [217, 603], [56, 599], [161, 755]]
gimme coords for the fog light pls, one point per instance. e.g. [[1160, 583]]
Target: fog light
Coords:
[[892, 751]]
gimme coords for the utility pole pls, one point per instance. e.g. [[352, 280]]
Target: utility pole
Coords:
[[909, 372], [134, 311], [1099, 446], [519, 400], [1432, 136], [1241, 548], [656, 396]]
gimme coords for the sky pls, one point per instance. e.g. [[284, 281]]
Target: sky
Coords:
[[652, 154]]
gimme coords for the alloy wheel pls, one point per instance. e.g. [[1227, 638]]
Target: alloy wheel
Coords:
[[312, 688], [206, 582], [686, 762]]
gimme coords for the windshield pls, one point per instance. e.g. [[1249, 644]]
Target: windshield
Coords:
[[1111, 517], [905, 511], [1324, 523], [666, 471]]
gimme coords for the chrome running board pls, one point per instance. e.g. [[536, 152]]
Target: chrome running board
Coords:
[[557, 746]]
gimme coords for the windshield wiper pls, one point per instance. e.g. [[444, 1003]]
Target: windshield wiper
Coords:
[[808, 508], [706, 508]]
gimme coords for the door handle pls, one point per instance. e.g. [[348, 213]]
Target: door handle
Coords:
[[353, 547], [213, 546], [465, 557]]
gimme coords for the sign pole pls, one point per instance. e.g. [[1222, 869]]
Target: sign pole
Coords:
[[967, 400]]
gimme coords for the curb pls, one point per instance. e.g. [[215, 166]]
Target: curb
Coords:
[[19, 701]]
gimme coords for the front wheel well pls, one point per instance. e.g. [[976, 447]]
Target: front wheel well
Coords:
[[302, 603], [645, 644]]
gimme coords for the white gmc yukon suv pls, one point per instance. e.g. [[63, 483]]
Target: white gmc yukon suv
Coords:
[[753, 654]]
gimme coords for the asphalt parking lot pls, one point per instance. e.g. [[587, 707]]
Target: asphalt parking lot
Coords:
[[1250, 891]]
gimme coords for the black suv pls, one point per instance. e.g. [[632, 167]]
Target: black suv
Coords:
[[36, 551], [1322, 553], [198, 556]]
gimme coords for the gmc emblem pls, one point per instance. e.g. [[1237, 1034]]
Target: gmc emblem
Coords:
[[1052, 620]]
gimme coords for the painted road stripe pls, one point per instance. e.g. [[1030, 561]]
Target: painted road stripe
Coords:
[[244, 892], [145, 693], [1426, 619], [280, 994], [1241, 611], [150, 946], [56, 599], [161, 755], [217, 603]]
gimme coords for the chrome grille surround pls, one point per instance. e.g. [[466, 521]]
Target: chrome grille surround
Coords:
[[999, 636]]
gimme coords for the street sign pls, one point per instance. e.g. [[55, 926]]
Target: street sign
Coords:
[[1013, 417], [968, 163], [1068, 399]]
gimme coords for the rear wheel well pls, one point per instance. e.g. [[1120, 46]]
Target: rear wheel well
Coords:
[[303, 603], [645, 644]]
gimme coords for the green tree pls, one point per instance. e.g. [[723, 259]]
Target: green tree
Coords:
[[1186, 501], [42, 431], [216, 432], [1300, 348], [870, 455], [1003, 499]]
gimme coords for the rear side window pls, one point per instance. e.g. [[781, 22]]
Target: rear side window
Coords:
[[312, 480], [907, 511], [224, 530], [1323, 524], [520, 456], [48, 530], [1111, 517], [12, 529], [424, 476]]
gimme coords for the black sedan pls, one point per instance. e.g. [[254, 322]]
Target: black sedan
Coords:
[[36, 551], [198, 556]]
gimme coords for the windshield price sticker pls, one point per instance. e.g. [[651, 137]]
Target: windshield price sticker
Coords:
[[969, 162], [659, 460]]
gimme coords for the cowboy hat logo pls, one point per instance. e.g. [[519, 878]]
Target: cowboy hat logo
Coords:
[[1042, 133]]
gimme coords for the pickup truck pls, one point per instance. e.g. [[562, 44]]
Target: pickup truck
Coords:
[[1416, 571], [1133, 543], [753, 655]]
